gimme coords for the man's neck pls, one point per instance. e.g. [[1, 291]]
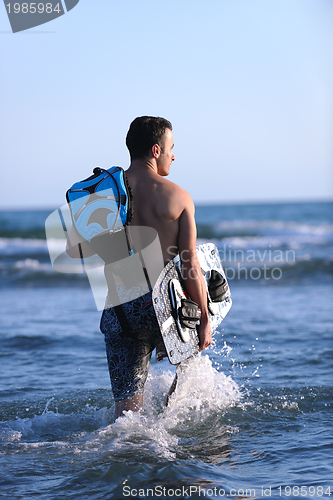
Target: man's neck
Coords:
[[148, 164]]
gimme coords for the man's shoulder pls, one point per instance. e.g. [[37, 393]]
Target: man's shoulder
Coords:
[[173, 200], [176, 191]]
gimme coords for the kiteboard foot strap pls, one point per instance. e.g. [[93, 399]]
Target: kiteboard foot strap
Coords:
[[189, 313]]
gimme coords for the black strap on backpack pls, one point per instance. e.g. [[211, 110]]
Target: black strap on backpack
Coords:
[[123, 321]]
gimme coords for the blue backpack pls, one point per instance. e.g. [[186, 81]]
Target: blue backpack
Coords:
[[101, 204], [101, 207]]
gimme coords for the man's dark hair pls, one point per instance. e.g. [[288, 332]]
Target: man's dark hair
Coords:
[[144, 132]]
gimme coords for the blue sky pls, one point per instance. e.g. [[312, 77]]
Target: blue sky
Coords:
[[247, 84]]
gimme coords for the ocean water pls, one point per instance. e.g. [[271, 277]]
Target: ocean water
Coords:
[[252, 417]]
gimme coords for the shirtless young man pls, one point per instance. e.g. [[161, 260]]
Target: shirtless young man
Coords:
[[162, 205]]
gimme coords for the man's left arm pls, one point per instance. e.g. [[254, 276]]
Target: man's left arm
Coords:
[[191, 270]]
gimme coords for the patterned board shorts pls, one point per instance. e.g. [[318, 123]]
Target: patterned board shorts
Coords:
[[129, 353]]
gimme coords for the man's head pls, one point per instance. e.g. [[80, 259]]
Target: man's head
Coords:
[[144, 133]]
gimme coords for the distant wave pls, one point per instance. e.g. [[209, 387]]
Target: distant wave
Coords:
[[33, 273], [300, 270], [22, 246], [31, 233], [277, 230]]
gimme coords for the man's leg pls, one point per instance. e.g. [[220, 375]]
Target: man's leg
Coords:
[[128, 357], [133, 403]]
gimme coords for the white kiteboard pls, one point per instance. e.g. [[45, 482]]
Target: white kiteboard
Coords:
[[176, 314]]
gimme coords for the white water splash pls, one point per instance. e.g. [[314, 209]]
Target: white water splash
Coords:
[[202, 393]]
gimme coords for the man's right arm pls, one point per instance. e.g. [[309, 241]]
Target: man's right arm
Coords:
[[194, 281]]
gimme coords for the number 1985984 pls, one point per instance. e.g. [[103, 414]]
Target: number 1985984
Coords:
[[303, 491], [33, 8]]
